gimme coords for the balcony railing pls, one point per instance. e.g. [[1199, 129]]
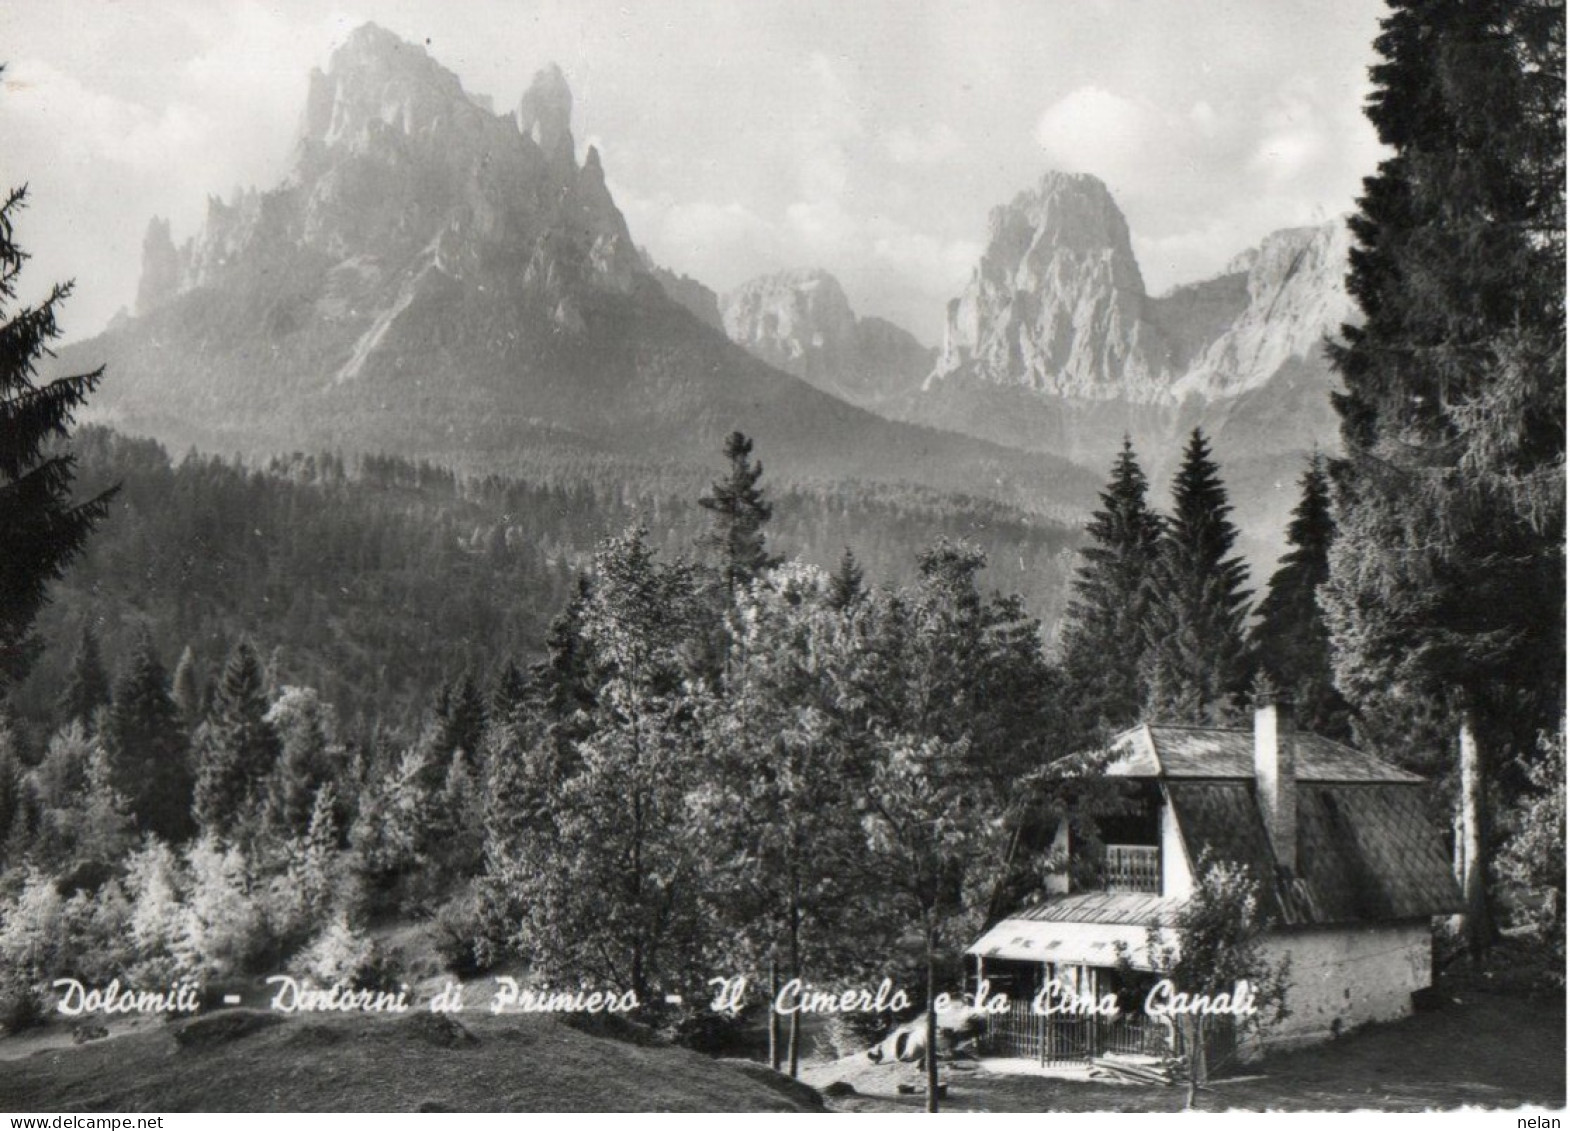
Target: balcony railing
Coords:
[[1133, 868]]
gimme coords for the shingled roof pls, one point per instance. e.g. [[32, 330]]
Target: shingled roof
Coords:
[[1366, 849], [1162, 751]]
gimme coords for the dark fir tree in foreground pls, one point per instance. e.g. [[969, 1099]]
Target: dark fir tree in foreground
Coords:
[[238, 748], [1446, 592], [1196, 659], [87, 688], [740, 512], [41, 527], [1103, 637], [148, 746], [1291, 641]]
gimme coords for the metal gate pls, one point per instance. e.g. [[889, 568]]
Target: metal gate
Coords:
[[1067, 1039]]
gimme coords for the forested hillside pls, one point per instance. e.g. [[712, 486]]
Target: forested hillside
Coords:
[[377, 580]]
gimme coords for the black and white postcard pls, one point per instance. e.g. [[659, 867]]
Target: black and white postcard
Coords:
[[781, 556]]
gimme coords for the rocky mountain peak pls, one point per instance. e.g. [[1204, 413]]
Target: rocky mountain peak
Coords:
[[791, 317], [160, 267], [1057, 302], [408, 195], [789, 306], [801, 321], [1296, 294], [377, 81], [1068, 213], [545, 115]]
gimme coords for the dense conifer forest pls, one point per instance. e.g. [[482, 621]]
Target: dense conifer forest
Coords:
[[376, 580]]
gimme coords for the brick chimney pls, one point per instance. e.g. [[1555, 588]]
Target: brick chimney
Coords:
[[1275, 776]]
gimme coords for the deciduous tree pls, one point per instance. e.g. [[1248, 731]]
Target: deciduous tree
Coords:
[[614, 878]]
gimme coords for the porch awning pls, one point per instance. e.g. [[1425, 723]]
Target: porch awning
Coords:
[[1076, 944]]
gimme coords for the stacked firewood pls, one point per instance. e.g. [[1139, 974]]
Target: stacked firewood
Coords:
[[1139, 1069]]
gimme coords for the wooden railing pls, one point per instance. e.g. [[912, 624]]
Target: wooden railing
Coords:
[[1133, 868]]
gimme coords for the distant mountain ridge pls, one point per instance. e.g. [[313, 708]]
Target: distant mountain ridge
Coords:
[[801, 322], [1055, 346], [444, 282], [1057, 304]]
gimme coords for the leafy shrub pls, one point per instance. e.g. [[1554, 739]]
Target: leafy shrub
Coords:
[[336, 954], [21, 1005], [96, 944], [340, 954], [225, 930], [32, 929], [1532, 865], [155, 882], [707, 1031], [458, 934]]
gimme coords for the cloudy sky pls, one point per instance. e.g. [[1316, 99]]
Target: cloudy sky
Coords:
[[738, 137]]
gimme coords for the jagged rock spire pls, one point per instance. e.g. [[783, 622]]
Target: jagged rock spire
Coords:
[[545, 116]]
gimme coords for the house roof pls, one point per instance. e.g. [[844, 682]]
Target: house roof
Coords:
[[1123, 908], [1366, 852], [1068, 943], [1163, 751], [1366, 849]]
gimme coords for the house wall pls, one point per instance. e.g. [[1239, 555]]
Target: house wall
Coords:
[[1177, 882], [1346, 976]]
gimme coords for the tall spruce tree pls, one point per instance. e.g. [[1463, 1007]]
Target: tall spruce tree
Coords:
[[847, 583], [563, 689], [240, 746], [1291, 640], [740, 512], [1103, 630], [148, 748], [1196, 656], [1446, 591], [461, 717], [41, 528], [186, 689], [510, 694], [87, 687]]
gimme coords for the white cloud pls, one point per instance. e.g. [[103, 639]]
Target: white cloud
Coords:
[[719, 244], [1091, 130], [1295, 138], [89, 126]]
